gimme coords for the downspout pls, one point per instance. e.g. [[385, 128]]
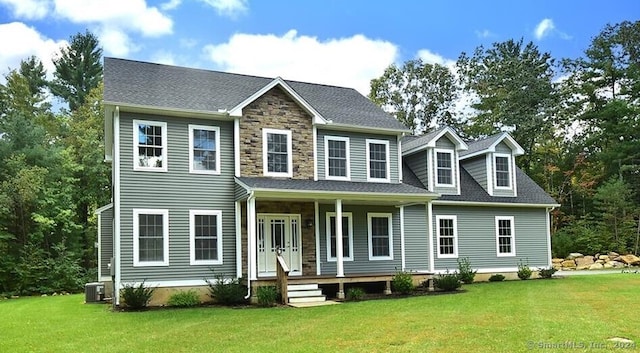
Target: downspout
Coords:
[[249, 262], [549, 210]]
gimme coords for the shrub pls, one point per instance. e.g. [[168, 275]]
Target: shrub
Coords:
[[355, 294], [447, 282], [546, 272], [524, 272], [227, 291], [403, 282], [184, 299], [267, 295], [136, 297], [496, 278], [465, 272]]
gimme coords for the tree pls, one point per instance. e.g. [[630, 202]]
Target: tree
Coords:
[[513, 83], [420, 95], [33, 70], [78, 69]]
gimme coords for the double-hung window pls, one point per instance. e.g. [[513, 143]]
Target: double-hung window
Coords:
[[204, 149], [505, 236], [380, 236], [150, 237], [336, 151], [205, 237], [377, 160], [149, 145], [447, 234], [276, 153], [347, 236], [502, 167], [444, 168]]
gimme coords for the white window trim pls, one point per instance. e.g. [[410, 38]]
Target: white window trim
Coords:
[[208, 128], [368, 160], [192, 236], [327, 176], [349, 216], [453, 167], [513, 236], [381, 215], [165, 156], [495, 171], [136, 233], [455, 236], [265, 158]]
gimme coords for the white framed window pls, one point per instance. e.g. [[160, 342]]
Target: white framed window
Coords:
[[204, 149], [447, 236], [347, 236], [205, 237], [380, 230], [150, 145], [505, 236], [150, 237], [444, 168], [378, 160], [502, 171], [276, 153], [336, 158]]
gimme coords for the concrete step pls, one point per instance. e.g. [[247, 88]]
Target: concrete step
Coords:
[[304, 293], [313, 299], [306, 286]]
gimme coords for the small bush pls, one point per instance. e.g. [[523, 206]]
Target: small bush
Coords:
[[184, 299], [465, 272], [524, 272], [355, 294], [136, 297], [546, 272], [403, 282], [227, 291], [447, 282], [496, 278], [267, 296]]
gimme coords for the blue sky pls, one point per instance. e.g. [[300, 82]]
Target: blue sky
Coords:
[[340, 42]]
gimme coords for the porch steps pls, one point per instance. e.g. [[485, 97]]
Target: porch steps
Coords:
[[305, 293]]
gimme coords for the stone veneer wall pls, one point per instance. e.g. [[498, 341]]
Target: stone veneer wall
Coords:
[[306, 211], [276, 110]]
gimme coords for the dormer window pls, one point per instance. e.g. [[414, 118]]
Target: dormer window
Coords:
[[444, 168], [502, 166]]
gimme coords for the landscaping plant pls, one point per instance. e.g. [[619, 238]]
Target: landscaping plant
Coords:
[[355, 294], [227, 291], [136, 297], [496, 278], [546, 272], [524, 272], [403, 282], [465, 271], [267, 296], [184, 299], [448, 281]]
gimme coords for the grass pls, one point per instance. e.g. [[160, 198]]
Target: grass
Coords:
[[488, 317]]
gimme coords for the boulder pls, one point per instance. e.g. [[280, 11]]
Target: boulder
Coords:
[[556, 260], [583, 267], [584, 261], [557, 266], [603, 257], [569, 263], [574, 255], [616, 264], [608, 264], [596, 266], [600, 261], [630, 259], [613, 254]]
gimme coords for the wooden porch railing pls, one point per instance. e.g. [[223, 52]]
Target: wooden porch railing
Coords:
[[282, 275]]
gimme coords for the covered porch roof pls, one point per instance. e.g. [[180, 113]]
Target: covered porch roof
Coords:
[[330, 190]]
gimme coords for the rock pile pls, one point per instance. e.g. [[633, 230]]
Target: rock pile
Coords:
[[577, 261]]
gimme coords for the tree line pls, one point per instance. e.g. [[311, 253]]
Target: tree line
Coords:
[[578, 120]]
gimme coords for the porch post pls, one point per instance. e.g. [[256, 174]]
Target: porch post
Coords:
[[252, 267], [339, 255]]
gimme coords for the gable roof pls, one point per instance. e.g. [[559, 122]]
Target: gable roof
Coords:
[[489, 144], [411, 144], [139, 84]]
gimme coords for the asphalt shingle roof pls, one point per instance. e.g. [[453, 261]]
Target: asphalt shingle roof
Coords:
[[411, 142], [330, 185], [479, 145], [172, 87]]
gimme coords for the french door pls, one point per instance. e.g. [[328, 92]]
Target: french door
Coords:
[[279, 231]]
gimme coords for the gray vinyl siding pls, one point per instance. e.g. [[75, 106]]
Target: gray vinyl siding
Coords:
[[416, 238], [357, 153], [477, 168], [503, 148], [418, 164], [445, 144], [240, 192], [360, 263], [106, 241], [477, 236], [177, 191]]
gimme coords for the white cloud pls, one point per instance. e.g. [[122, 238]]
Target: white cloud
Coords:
[[163, 57], [430, 57], [20, 41], [485, 33], [27, 9], [350, 62], [544, 28], [188, 43], [230, 8], [116, 42], [170, 5]]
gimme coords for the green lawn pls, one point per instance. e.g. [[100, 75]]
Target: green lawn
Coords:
[[488, 317]]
